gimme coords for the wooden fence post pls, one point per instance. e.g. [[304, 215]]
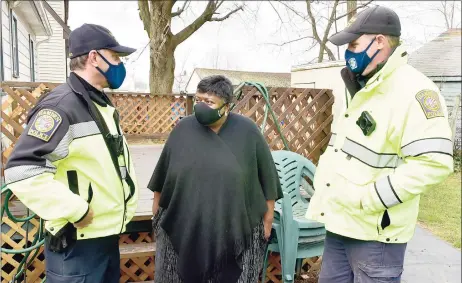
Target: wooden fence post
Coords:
[[189, 104]]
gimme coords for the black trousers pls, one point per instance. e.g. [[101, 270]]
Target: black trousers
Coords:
[[87, 261]]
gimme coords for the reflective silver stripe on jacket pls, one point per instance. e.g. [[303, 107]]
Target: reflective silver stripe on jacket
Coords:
[[123, 172], [369, 157], [22, 172], [386, 192], [332, 139], [430, 145], [75, 131]]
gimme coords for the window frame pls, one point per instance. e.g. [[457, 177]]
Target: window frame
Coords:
[[32, 59], [14, 45]]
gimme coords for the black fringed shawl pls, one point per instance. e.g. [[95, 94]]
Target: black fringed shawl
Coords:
[[214, 189]]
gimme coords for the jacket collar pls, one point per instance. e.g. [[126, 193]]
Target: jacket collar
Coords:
[[80, 86], [396, 60]]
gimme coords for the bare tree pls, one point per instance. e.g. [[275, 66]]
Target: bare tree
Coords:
[[157, 17], [321, 25], [181, 77], [352, 6], [447, 8]]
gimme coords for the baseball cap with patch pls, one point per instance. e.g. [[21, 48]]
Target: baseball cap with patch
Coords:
[[90, 37], [373, 20]]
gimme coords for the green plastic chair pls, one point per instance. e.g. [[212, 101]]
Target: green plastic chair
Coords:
[[296, 237]]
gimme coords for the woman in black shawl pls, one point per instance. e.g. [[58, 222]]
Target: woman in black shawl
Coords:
[[214, 187]]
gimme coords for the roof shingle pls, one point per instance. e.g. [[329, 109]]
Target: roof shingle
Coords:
[[440, 57], [237, 77]]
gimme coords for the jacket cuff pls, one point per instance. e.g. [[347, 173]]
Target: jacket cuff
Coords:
[[370, 202], [81, 212]]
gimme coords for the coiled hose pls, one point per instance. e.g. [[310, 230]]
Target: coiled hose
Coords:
[[37, 242], [264, 92], [39, 236]]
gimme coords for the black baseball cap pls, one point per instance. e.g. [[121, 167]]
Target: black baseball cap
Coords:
[[90, 37], [373, 20]]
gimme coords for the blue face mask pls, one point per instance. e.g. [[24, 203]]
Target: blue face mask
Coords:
[[357, 62], [115, 74]]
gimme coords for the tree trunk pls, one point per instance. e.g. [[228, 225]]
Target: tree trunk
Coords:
[[351, 9], [162, 49], [162, 69]]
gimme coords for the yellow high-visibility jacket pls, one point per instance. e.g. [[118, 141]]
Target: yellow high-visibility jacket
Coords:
[[61, 165], [368, 186]]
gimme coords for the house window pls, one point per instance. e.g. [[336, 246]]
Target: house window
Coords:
[[32, 59], [14, 45]]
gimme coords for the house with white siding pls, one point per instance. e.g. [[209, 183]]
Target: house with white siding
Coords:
[[236, 77], [33, 44], [33, 40]]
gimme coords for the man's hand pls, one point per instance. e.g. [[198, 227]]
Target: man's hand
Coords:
[[85, 221]]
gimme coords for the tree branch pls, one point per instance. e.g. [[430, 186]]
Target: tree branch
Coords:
[[194, 26], [145, 15], [275, 10], [220, 19], [313, 22], [206, 16], [179, 11], [327, 30], [291, 41], [293, 10], [359, 6]]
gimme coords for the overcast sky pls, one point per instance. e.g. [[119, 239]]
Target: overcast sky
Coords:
[[247, 41]]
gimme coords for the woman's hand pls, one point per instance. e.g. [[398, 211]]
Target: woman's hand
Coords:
[[155, 203], [268, 226], [268, 218]]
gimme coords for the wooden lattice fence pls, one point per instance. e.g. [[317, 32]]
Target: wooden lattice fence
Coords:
[[146, 116], [305, 116]]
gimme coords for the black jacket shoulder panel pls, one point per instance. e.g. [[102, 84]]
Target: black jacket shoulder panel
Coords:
[[64, 98]]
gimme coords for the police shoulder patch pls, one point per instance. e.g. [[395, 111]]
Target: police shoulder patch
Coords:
[[430, 103], [45, 124]]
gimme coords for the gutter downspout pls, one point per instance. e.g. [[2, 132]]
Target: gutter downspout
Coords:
[[37, 13]]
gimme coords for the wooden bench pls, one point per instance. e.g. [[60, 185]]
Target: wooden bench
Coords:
[[137, 250]]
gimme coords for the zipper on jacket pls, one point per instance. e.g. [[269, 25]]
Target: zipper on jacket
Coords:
[[125, 210], [101, 123]]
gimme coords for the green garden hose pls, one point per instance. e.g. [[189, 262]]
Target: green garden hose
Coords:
[[39, 236], [37, 242], [264, 92]]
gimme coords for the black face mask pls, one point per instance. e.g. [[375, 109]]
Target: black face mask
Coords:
[[207, 115]]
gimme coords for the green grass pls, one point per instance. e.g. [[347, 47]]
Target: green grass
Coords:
[[440, 210]]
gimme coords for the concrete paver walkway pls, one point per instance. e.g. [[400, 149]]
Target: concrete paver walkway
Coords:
[[428, 259], [431, 260]]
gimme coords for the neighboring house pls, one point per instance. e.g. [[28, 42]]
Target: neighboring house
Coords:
[[237, 77], [32, 45], [325, 75], [32, 41], [440, 60]]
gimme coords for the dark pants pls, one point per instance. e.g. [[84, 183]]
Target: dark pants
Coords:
[[87, 261], [348, 260]]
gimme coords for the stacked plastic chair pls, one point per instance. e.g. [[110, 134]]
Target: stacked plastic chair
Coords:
[[296, 238]]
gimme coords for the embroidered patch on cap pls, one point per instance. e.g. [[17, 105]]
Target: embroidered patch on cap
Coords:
[[45, 124], [430, 103]]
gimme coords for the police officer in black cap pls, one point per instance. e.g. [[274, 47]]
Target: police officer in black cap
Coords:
[[72, 166]]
